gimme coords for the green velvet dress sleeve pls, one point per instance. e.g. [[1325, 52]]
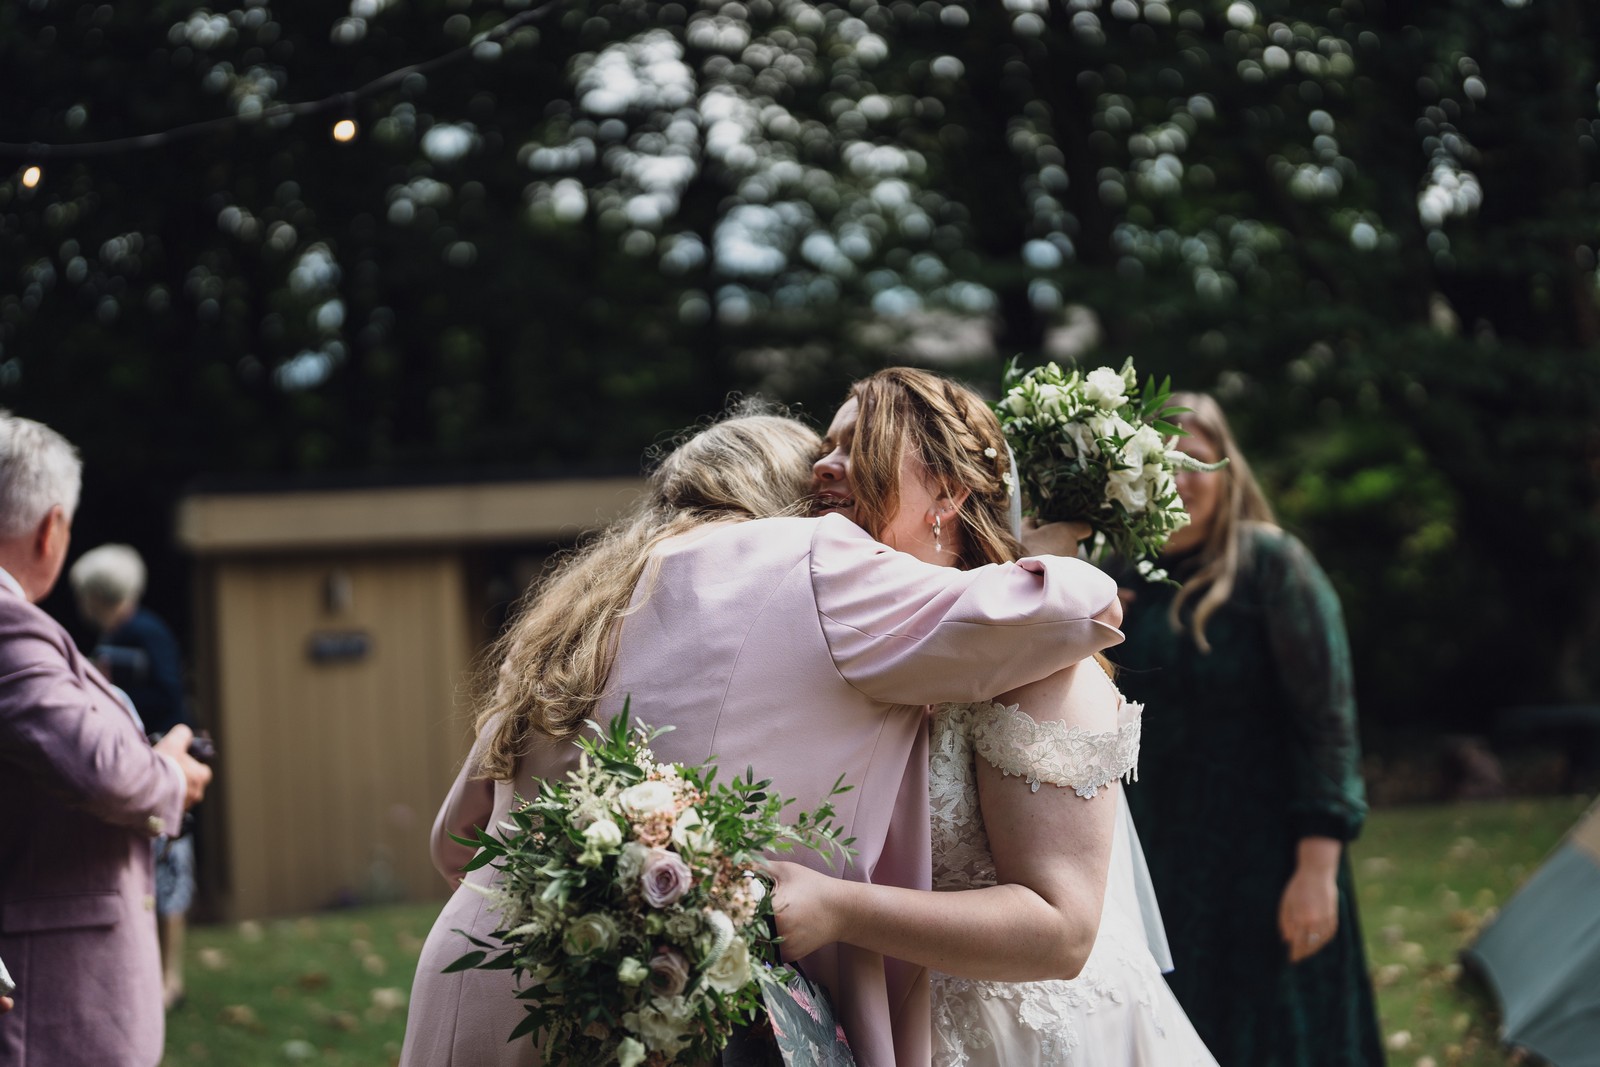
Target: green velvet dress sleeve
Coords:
[[1305, 628]]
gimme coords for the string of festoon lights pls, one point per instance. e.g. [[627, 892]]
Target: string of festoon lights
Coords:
[[344, 128]]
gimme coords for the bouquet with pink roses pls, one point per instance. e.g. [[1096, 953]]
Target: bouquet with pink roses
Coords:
[[634, 910]]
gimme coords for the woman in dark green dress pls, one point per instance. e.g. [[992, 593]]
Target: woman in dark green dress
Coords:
[[1249, 779]]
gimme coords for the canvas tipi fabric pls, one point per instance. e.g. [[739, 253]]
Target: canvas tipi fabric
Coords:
[[1541, 954]]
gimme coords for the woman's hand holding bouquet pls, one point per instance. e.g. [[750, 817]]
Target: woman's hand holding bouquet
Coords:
[[635, 904], [1094, 448]]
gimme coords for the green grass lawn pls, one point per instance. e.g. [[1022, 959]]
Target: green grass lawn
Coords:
[[1428, 878], [331, 989]]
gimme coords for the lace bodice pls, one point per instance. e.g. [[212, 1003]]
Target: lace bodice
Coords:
[[1118, 1012], [1086, 761], [1049, 752]]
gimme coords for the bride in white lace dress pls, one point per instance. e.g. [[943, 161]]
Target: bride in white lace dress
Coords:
[[1041, 937], [1118, 1010]]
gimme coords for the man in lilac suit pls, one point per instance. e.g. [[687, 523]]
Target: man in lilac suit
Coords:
[[83, 794]]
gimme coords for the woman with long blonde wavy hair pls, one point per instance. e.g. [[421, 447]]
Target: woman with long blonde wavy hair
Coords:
[[1252, 779], [551, 665]]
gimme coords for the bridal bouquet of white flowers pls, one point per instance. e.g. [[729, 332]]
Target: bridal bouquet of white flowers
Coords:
[[634, 911], [1094, 448]]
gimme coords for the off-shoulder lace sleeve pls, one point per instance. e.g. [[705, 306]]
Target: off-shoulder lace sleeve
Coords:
[[1067, 756]]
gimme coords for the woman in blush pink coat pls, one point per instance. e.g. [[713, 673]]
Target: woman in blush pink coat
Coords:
[[798, 646]]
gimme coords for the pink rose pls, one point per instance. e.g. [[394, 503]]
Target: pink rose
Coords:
[[664, 878], [669, 972]]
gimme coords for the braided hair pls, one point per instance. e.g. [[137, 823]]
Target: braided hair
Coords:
[[955, 435]]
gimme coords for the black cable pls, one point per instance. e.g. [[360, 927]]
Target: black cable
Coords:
[[40, 153]]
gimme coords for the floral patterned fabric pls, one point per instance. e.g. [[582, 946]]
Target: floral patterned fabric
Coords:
[[1084, 760], [1118, 1012], [1247, 749]]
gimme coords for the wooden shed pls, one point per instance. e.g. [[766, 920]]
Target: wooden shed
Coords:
[[334, 632]]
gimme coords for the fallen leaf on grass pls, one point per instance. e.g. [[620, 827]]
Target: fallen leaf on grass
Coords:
[[312, 980], [243, 1016], [343, 1020], [1398, 1041], [212, 959], [1376, 866], [1388, 975], [389, 998]]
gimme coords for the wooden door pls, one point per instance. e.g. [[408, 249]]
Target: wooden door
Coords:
[[341, 721]]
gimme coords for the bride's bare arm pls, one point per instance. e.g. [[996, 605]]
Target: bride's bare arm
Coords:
[[1051, 848]]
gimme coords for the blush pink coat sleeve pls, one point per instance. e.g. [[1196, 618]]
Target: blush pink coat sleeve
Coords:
[[805, 650], [83, 794]]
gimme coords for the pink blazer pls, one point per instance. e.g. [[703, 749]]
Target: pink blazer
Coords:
[[805, 649], [82, 794]]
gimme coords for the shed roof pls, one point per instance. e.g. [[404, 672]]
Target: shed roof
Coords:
[[225, 523]]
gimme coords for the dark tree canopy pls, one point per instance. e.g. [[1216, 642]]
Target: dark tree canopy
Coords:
[[1369, 226]]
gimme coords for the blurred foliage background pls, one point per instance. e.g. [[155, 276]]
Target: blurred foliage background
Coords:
[[1369, 226]]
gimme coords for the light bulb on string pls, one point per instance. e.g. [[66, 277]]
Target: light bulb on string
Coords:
[[32, 175], [345, 130]]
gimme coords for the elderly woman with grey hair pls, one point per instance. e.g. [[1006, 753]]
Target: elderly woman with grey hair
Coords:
[[139, 654]]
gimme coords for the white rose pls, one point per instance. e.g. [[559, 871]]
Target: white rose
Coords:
[[630, 1053], [690, 833], [631, 972], [1128, 488], [630, 863], [1080, 438], [663, 1024], [646, 798], [1149, 444], [1111, 427], [1054, 400], [602, 836], [731, 972], [590, 934], [1104, 388]]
